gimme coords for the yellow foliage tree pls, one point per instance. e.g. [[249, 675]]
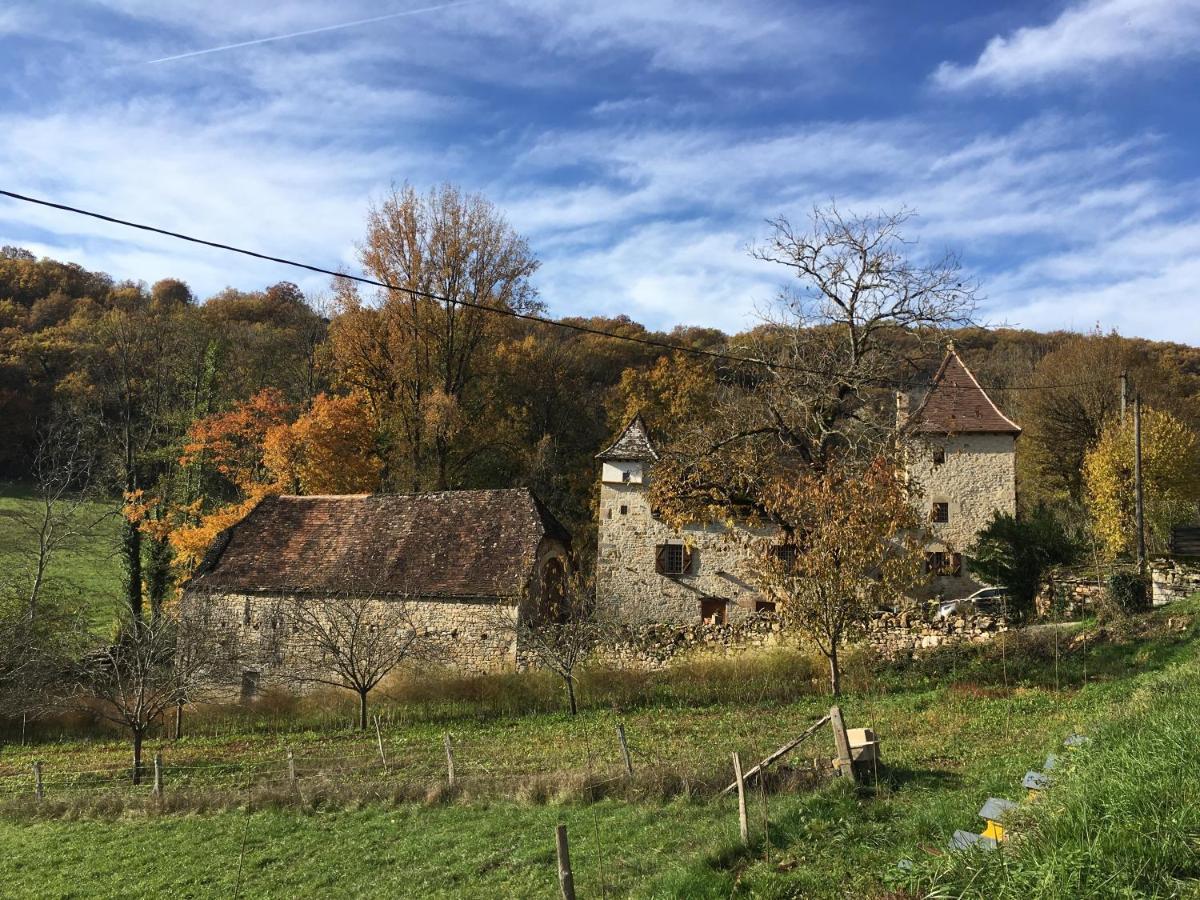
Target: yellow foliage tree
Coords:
[[331, 449], [675, 391], [1170, 479]]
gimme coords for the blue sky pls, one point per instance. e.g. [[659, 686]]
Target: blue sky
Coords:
[[639, 144]]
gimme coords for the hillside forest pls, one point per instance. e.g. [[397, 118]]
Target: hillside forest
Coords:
[[180, 412]]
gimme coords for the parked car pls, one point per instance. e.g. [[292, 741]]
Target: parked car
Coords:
[[989, 601]]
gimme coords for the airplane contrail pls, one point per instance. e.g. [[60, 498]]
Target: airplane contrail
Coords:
[[324, 28]]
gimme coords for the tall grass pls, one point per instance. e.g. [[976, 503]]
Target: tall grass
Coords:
[[1121, 820]]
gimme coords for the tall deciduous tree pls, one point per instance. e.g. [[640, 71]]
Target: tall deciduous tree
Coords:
[[848, 548], [420, 360], [1170, 475]]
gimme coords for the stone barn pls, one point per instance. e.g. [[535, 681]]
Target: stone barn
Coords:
[[453, 557]]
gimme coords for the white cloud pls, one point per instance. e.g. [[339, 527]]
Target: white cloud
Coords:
[[1088, 39]]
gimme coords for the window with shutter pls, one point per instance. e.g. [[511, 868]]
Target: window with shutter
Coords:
[[955, 565], [940, 512], [673, 559]]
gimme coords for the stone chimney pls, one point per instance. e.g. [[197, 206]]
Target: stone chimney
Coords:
[[902, 408]]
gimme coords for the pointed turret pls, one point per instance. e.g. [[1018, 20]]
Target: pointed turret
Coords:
[[632, 446], [956, 404]]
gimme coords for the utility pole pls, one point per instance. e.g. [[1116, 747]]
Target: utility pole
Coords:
[[1124, 393], [1139, 506]]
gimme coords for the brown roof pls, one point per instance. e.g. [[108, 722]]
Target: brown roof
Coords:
[[448, 544], [633, 444], [956, 404]]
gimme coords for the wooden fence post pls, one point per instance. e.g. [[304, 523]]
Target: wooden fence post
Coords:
[[178, 719], [743, 820], [625, 750], [38, 790], [845, 764], [291, 761], [449, 761], [566, 881], [158, 775], [379, 741]]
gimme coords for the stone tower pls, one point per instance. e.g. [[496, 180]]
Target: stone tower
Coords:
[[960, 455], [649, 572]]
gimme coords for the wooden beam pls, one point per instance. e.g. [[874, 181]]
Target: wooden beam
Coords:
[[782, 751]]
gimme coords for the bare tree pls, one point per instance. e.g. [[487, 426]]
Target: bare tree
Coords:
[[557, 628], [150, 667], [351, 640], [62, 468], [863, 318]]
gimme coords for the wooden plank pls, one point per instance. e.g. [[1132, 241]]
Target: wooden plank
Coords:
[[743, 820], [625, 750], [845, 763], [781, 752]]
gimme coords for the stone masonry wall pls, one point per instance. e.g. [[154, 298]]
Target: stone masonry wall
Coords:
[[892, 635], [469, 636], [977, 478], [625, 566], [1174, 579]]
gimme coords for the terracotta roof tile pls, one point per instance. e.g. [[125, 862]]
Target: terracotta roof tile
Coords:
[[447, 544], [956, 404]]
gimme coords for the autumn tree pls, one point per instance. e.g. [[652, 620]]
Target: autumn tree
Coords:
[[1170, 478], [848, 547], [330, 449], [677, 390], [1068, 399], [420, 360]]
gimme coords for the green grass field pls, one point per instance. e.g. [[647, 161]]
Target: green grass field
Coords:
[[958, 727], [87, 570]]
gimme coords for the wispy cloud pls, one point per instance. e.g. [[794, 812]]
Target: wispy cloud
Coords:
[[308, 31], [1088, 39]]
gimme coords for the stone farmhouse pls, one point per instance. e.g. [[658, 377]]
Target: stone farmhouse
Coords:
[[959, 451], [452, 557]]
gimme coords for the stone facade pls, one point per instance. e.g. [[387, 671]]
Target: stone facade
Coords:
[[627, 578], [469, 635], [973, 475]]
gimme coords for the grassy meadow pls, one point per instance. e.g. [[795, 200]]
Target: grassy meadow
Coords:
[[86, 570], [960, 726]]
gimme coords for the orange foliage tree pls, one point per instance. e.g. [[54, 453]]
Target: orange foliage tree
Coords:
[[331, 449]]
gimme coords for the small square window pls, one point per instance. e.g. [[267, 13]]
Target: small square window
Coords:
[[672, 559], [764, 606], [940, 512], [625, 475], [624, 510], [939, 455], [712, 611]]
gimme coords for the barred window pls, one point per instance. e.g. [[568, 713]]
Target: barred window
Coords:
[[673, 559], [940, 512]]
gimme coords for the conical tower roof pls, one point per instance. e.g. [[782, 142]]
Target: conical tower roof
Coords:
[[956, 404], [632, 446]]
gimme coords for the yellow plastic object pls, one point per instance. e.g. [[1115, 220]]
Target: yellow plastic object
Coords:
[[994, 830]]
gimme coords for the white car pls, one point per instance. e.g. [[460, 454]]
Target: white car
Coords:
[[988, 600]]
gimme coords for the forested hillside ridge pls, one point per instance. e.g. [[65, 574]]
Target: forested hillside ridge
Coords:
[[182, 412]]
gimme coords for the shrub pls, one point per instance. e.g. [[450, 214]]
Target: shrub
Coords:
[[1128, 592]]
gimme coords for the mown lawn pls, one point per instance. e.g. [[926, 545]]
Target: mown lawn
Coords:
[[957, 728], [87, 570]]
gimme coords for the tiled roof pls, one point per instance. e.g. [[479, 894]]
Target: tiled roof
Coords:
[[633, 444], [956, 404], [447, 544]]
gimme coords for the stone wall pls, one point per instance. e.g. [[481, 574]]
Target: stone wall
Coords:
[[626, 577], [977, 478], [892, 635], [1173, 579], [469, 636]]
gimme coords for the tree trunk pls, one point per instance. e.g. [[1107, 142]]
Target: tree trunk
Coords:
[[835, 673], [570, 680], [178, 719], [137, 756], [362, 710], [131, 549]]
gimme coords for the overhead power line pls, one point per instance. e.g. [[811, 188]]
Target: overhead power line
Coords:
[[502, 311]]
